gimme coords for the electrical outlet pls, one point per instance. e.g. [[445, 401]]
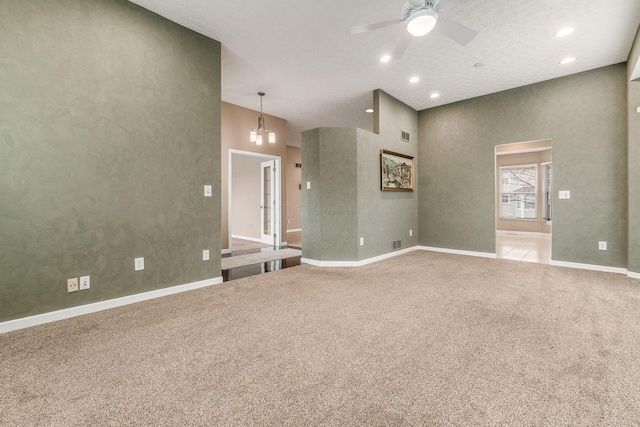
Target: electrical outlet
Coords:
[[139, 264], [72, 285], [564, 194], [602, 246], [205, 255], [85, 282]]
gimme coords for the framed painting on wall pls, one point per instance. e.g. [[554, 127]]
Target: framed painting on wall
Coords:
[[396, 171]]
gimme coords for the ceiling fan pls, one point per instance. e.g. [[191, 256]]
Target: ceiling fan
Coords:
[[420, 18]]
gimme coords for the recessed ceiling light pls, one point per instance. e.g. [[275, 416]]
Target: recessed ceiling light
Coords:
[[564, 32], [414, 79], [434, 95], [567, 60], [385, 58], [369, 110]]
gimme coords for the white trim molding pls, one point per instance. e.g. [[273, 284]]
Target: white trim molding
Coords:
[[633, 275], [522, 233], [293, 230], [226, 251], [592, 267], [357, 263], [458, 252], [67, 313]]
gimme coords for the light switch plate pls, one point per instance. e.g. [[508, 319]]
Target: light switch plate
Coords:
[[362, 241], [564, 194], [308, 185], [205, 255], [139, 264], [207, 191]]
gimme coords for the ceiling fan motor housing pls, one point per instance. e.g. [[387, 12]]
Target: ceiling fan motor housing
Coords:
[[409, 9]]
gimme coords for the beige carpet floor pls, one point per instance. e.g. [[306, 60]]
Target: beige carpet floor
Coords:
[[419, 339], [258, 257]]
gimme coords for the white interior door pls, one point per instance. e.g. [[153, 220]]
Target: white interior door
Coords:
[[268, 205]]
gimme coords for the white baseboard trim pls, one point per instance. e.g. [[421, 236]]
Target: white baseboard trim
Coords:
[[457, 252], [522, 233], [593, 267], [225, 251], [39, 319], [357, 263], [633, 275], [252, 239], [294, 230]]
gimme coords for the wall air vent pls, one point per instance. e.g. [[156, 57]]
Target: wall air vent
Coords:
[[298, 165], [397, 244], [405, 136]]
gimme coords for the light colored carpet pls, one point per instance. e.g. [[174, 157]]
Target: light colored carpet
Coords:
[[419, 339], [258, 257]]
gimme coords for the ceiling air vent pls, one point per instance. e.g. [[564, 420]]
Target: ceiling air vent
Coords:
[[405, 136]]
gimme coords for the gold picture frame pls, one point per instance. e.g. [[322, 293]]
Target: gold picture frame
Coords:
[[396, 171]]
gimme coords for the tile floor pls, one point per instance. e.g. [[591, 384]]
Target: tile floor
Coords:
[[248, 247], [261, 268], [523, 247]]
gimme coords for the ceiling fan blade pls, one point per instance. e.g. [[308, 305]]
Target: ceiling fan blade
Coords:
[[377, 25], [456, 32], [449, 4], [401, 47]]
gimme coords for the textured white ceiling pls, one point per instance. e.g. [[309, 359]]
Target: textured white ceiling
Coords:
[[315, 73]]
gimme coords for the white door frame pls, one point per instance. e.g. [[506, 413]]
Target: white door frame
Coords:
[[496, 202], [278, 191], [267, 237]]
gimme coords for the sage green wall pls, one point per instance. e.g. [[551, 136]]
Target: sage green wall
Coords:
[[345, 201], [330, 206], [584, 117], [386, 216], [633, 97], [311, 226], [109, 128]]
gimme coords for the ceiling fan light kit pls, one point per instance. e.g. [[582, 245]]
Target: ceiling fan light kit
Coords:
[[421, 17], [422, 22]]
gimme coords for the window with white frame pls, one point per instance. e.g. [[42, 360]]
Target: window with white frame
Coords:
[[518, 192]]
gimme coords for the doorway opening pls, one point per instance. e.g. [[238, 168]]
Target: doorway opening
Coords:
[[254, 205], [524, 201]]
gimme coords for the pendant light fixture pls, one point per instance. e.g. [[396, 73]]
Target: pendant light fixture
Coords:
[[256, 134]]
